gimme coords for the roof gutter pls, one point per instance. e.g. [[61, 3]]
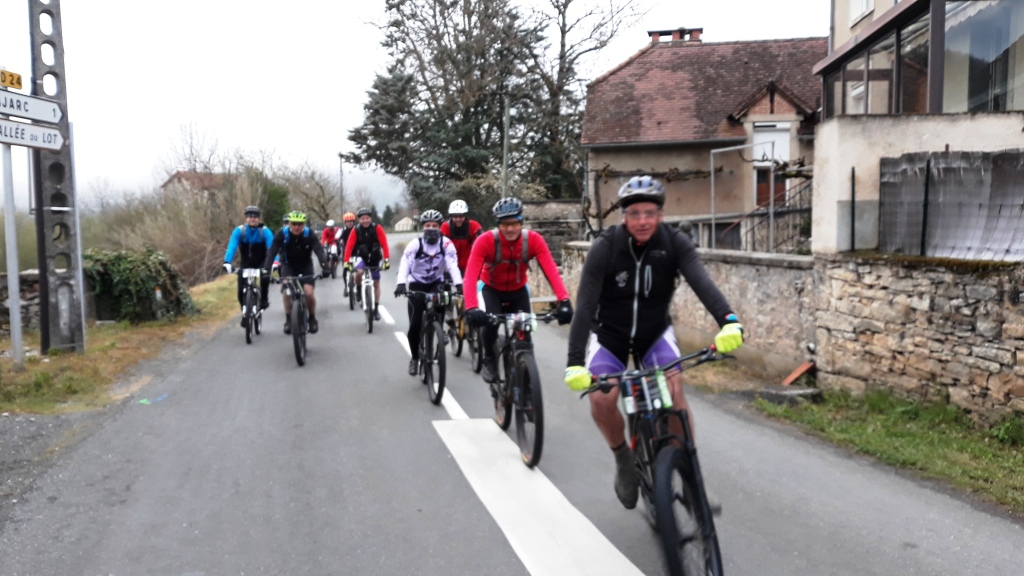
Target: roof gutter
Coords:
[[898, 15], [665, 143]]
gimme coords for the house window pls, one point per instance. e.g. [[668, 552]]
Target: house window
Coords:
[[913, 74], [833, 95], [881, 74], [984, 56], [859, 9], [854, 87]]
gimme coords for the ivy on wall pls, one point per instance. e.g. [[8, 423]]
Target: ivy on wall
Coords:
[[139, 286]]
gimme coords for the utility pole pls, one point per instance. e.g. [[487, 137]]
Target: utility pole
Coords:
[[504, 154], [341, 182]]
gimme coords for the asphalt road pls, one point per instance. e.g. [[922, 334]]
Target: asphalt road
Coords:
[[244, 463]]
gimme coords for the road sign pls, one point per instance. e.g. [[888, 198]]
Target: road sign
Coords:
[[29, 107], [31, 135], [10, 79]]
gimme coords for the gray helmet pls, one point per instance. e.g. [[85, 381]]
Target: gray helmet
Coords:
[[252, 211], [363, 212], [431, 216], [507, 208], [641, 189]]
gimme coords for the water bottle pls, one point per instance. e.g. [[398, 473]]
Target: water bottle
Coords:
[[666, 397]]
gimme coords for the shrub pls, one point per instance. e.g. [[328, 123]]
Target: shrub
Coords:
[[131, 281]]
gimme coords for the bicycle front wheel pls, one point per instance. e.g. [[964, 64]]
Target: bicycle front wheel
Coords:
[[476, 357], [351, 291], [367, 298], [684, 517], [435, 361], [529, 410], [250, 314], [298, 321]]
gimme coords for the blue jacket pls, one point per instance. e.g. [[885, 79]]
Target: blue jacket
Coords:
[[253, 244]]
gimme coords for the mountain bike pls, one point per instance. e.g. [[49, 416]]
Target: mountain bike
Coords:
[[252, 312], [366, 289], [461, 333], [671, 483], [350, 288], [332, 260], [299, 315], [431, 351], [519, 390]]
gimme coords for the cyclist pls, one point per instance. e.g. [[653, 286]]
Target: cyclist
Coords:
[[461, 231], [252, 240], [501, 262], [422, 267], [297, 245], [341, 237], [369, 243], [328, 240], [625, 291]]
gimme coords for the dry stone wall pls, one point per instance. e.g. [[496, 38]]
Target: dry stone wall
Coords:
[[29, 284], [924, 328]]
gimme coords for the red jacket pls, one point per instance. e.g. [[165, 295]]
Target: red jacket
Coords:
[[353, 238], [462, 239], [511, 273], [327, 236]]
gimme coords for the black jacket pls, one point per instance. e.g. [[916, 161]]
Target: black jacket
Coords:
[[296, 250], [626, 290]]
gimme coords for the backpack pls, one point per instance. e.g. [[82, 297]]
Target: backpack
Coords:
[[497, 249], [287, 234], [419, 248]]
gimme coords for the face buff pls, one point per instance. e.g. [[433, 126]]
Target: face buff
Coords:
[[431, 236]]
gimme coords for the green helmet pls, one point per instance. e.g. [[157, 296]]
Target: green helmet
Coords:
[[296, 217]]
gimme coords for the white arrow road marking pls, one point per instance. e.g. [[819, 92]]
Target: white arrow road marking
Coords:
[[548, 533], [455, 412], [387, 317]]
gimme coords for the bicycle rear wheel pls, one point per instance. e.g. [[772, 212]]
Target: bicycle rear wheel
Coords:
[[258, 321], [351, 291], [334, 269], [502, 390], [250, 303], [455, 341], [299, 331], [684, 518], [434, 361], [529, 410]]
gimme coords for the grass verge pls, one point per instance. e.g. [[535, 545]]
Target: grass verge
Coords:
[[936, 441], [65, 381]]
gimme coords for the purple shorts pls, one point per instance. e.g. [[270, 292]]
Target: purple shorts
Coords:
[[601, 361], [361, 265]]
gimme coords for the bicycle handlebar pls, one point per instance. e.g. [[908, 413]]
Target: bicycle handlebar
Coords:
[[497, 319], [601, 381]]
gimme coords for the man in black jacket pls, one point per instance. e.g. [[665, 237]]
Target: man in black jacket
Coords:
[[627, 283], [297, 245]]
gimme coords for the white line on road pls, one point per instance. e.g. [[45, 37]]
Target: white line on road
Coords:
[[455, 411], [384, 314], [545, 530]]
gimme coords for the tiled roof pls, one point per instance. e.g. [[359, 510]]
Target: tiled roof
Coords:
[[200, 181], [682, 91]]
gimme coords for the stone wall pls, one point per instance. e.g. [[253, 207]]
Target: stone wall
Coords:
[[770, 293], [29, 284], [925, 328]]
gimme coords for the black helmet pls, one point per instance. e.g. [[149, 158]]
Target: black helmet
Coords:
[[641, 189], [431, 216], [252, 210], [363, 212], [507, 208]]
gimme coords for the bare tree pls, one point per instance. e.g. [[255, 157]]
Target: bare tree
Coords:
[[312, 190]]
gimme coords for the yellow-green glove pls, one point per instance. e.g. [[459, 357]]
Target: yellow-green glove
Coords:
[[730, 338], [578, 378]]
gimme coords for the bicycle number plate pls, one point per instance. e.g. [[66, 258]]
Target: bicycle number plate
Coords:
[[251, 273], [525, 321]]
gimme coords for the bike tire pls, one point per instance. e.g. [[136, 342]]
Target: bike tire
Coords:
[[455, 341], [434, 350], [685, 523], [298, 321], [503, 391], [529, 410], [351, 297], [367, 294], [643, 459], [334, 270], [258, 321], [476, 357], [249, 316]]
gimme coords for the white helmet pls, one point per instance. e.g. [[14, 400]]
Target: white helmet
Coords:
[[330, 223], [458, 207]]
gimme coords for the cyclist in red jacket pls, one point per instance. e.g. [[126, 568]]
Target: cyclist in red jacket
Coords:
[[461, 231], [500, 259]]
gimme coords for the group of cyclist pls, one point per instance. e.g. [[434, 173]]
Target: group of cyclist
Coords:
[[625, 290]]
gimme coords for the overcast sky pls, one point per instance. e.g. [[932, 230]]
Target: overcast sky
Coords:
[[268, 74]]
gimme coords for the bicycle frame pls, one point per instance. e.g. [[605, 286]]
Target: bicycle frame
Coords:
[[368, 303]]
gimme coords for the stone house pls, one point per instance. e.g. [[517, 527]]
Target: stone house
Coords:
[[664, 110]]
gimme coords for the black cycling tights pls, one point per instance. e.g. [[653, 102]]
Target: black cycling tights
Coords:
[[498, 302]]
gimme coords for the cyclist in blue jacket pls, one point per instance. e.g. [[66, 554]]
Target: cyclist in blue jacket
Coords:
[[251, 240]]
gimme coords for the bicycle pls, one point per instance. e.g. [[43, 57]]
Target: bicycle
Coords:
[[520, 388], [350, 288], [460, 333], [299, 317], [369, 302], [252, 312], [332, 260], [667, 465], [431, 350]]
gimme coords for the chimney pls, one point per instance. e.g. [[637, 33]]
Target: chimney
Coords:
[[695, 35], [687, 34], [678, 34], [655, 37]]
